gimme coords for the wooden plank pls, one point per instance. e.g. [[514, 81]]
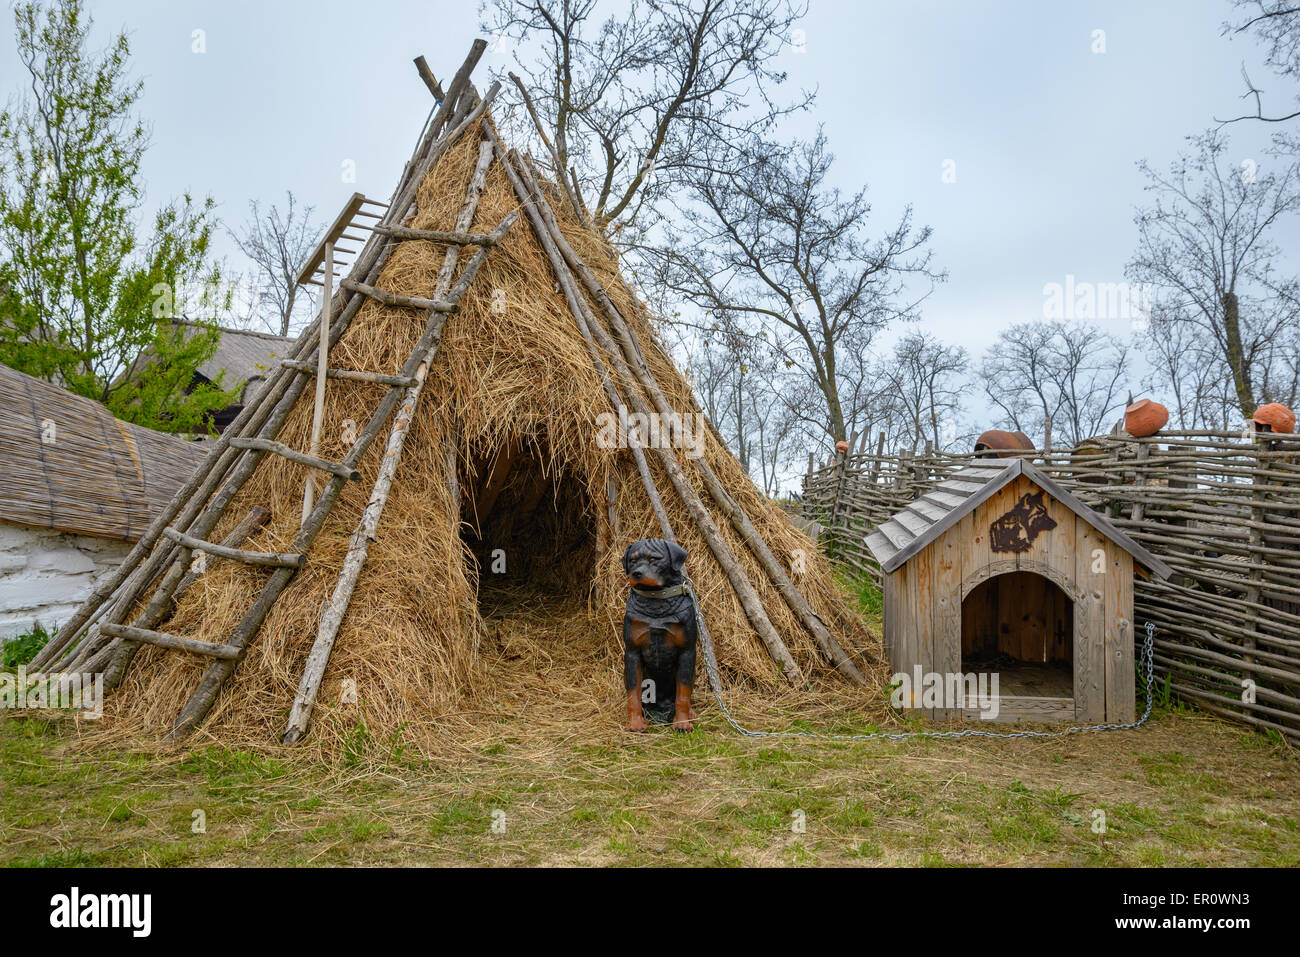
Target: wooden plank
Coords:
[[898, 536], [880, 545], [947, 611], [1013, 708], [889, 592], [913, 521], [1120, 679], [1060, 547], [921, 610], [929, 510], [1090, 624]]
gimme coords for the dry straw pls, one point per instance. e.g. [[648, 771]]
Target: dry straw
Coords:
[[428, 655]]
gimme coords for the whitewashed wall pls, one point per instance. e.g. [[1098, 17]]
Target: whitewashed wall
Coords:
[[45, 574]]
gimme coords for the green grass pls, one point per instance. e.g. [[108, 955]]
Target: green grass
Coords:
[[21, 649], [1186, 790], [865, 594]]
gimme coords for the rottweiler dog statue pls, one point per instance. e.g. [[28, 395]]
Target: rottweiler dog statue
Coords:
[[659, 636]]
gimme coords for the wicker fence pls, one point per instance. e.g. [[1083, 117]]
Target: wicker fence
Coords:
[[1221, 508]]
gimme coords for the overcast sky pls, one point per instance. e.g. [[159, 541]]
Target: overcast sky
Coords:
[[1042, 132]]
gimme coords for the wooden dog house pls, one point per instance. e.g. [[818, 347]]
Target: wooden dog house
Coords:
[[998, 570]]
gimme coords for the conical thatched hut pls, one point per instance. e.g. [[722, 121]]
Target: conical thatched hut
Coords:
[[505, 507]]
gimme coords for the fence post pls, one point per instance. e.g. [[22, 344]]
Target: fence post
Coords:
[[879, 461], [1143, 451], [1254, 592], [841, 465]]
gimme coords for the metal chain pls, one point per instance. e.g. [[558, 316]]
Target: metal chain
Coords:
[[711, 666]]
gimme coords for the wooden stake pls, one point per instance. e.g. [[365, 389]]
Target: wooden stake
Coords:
[[634, 356]]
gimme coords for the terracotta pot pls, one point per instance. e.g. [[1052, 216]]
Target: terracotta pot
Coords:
[[996, 440], [1276, 416], [1145, 417], [841, 446]]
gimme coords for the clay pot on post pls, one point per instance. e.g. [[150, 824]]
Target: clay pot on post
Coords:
[[1274, 417], [1145, 417], [996, 441]]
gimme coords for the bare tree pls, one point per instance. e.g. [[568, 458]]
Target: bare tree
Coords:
[[623, 106], [1188, 373], [928, 383], [1204, 244], [749, 397], [1073, 374], [776, 253], [1276, 24], [1017, 377], [278, 244]]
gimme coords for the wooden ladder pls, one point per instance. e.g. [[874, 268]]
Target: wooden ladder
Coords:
[[162, 559], [282, 566]]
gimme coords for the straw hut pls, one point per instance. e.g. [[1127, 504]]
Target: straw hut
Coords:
[[80, 486], [499, 421]]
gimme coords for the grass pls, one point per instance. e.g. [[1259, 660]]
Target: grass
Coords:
[[551, 785], [865, 595], [21, 649], [1185, 790]]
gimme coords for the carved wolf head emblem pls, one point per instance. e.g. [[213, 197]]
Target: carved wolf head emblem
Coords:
[[1016, 530]]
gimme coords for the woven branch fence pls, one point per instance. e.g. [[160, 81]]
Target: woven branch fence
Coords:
[[1222, 508]]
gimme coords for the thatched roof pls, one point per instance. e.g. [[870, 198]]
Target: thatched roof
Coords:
[[71, 466], [245, 356]]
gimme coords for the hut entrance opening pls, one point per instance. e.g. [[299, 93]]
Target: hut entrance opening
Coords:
[[1020, 625], [528, 527]]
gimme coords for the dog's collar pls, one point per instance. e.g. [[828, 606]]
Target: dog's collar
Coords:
[[672, 591]]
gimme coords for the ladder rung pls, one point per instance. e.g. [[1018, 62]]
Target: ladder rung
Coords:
[[392, 299], [277, 560], [437, 236], [380, 377], [169, 641], [302, 458]]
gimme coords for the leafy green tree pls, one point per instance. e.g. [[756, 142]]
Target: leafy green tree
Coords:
[[81, 296]]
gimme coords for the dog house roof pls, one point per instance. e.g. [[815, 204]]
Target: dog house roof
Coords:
[[908, 531]]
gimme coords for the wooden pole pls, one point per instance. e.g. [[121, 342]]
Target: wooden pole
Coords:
[[633, 364], [322, 375], [359, 546]]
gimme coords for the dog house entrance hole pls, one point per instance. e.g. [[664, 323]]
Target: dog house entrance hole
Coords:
[[1021, 626], [527, 527]]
